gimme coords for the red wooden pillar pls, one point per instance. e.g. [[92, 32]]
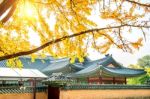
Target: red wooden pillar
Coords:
[[89, 80], [100, 80], [114, 80]]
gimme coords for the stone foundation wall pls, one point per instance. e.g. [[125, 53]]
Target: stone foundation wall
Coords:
[[85, 94], [16, 92], [106, 94], [39, 95], [79, 92]]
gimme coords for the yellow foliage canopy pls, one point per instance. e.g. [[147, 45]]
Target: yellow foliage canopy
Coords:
[[70, 20]]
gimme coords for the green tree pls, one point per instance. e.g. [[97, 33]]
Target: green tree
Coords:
[[144, 62], [135, 66]]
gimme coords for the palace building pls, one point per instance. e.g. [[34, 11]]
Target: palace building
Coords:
[[102, 71]]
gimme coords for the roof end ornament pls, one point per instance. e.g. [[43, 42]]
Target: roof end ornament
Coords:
[[108, 55]]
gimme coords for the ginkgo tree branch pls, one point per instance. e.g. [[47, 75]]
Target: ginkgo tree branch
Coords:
[[4, 6], [10, 13], [66, 37], [140, 4], [130, 1]]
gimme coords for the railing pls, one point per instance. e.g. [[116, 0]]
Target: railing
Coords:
[[6, 90], [86, 86]]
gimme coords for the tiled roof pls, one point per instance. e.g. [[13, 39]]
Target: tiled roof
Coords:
[[92, 70], [89, 67], [20, 73], [98, 70], [56, 66], [38, 64], [123, 72], [3, 63]]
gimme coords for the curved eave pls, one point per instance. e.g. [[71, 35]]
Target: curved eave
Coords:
[[90, 71], [56, 67], [77, 66], [104, 61], [122, 72], [110, 60], [59, 60]]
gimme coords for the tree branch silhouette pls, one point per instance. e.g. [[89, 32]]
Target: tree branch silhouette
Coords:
[[140, 4], [67, 37]]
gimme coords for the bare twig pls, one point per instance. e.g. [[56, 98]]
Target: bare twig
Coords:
[[140, 4], [122, 41]]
